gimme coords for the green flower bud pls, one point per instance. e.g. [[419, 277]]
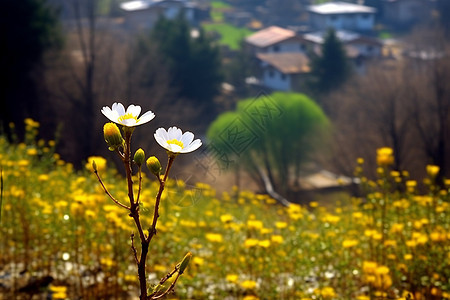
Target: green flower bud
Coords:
[[112, 136], [139, 157], [154, 165], [184, 263]]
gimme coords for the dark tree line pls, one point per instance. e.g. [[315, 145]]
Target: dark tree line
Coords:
[[63, 75], [28, 28], [404, 105]]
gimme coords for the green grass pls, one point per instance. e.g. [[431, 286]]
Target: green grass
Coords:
[[230, 35], [385, 35], [220, 5], [217, 10]]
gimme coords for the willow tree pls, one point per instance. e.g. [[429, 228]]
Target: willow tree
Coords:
[[271, 137]]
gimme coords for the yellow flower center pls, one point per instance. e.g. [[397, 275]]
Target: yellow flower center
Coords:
[[176, 142], [127, 117]]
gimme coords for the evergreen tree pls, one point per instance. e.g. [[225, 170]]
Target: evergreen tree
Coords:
[[331, 68], [28, 28], [194, 63]]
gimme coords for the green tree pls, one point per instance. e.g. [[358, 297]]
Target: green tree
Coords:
[[331, 68], [271, 137], [28, 28], [194, 63]]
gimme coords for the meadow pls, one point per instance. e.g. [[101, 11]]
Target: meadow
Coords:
[[230, 35], [391, 243]]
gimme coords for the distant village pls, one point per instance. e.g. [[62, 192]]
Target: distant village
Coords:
[[285, 31]]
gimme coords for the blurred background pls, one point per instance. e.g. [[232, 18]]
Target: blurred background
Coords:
[[378, 69]]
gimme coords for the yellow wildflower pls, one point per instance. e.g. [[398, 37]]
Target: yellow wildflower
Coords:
[[254, 224], [248, 284], [232, 278], [432, 170], [214, 237], [349, 243], [385, 156]]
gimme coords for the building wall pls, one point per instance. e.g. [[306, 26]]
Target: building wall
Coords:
[[367, 50], [287, 46], [360, 21], [274, 79]]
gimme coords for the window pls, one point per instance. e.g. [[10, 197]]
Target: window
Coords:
[[276, 48], [271, 74], [283, 77]]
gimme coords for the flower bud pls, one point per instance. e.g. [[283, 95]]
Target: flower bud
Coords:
[[184, 263], [154, 165], [112, 136], [139, 156]]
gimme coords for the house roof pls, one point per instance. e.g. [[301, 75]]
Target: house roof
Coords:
[[136, 5], [286, 62], [340, 8], [269, 36]]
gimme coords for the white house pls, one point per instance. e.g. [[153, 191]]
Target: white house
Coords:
[[275, 39], [143, 14], [283, 71], [359, 48], [364, 45], [342, 16]]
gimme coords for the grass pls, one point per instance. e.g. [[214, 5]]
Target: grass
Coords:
[[231, 36], [217, 10], [385, 35], [391, 243]]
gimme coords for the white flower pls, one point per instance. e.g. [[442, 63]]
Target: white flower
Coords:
[[129, 117], [175, 141]]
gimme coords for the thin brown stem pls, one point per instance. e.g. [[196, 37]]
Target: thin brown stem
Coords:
[[134, 213], [140, 185], [159, 296], [169, 289], [162, 182], [108, 193], [134, 249]]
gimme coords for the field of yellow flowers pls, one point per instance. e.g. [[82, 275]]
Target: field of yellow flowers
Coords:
[[392, 243]]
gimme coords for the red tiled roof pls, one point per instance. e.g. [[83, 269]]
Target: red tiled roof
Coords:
[[269, 36]]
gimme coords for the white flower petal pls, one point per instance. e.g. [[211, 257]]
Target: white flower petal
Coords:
[[162, 133], [119, 108], [134, 110], [193, 146], [111, 115], [147, 117], [187, 138], [175, 148], [117, 111], [175, 133], [161, 142]]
